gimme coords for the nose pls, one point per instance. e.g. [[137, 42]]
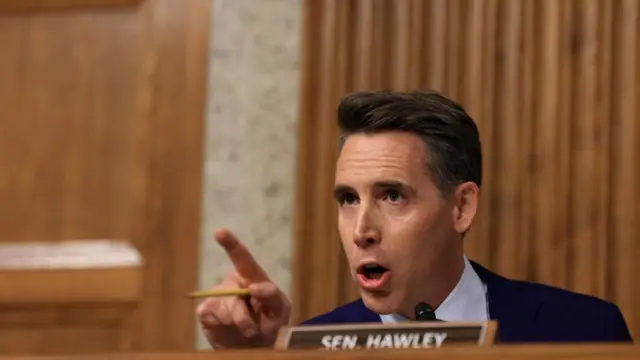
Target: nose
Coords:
[[366, 232]]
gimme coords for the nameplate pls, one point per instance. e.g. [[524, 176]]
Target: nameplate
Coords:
[[408, 335]]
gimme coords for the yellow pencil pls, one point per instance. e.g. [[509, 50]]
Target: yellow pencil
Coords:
[[219, 293]]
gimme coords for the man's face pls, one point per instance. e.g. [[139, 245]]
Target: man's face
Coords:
[[396, 228]]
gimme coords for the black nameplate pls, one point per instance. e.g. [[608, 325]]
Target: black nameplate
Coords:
[[409, 335]]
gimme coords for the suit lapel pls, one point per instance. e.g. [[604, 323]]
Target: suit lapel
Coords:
[[514, 313]]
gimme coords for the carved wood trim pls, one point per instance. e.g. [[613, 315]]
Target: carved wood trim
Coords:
[[70, 286], [37, 5]]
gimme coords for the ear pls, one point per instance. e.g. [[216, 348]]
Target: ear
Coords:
[[465, 206]]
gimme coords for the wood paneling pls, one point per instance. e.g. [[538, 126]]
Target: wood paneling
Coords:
[[554, 88], [40, 5], [70, 286], [101, 116]]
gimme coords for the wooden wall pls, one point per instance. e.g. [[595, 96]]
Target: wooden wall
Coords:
[[554, 86], [101, 128]]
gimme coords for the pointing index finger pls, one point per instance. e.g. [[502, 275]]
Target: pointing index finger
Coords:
[[240, 256]]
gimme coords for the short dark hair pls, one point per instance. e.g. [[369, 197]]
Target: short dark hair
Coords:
[[451, 135]]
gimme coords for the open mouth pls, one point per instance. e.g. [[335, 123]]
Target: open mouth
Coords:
[[372, 271]]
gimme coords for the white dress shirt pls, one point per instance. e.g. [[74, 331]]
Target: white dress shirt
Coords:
[[467, 301]]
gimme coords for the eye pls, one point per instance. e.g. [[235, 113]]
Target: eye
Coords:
[[393, 195], [348, 199]]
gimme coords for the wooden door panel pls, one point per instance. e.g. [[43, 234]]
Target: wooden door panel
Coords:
[[71, 126], [101, 118]]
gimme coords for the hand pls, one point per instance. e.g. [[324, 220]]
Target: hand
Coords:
[[233, 321]]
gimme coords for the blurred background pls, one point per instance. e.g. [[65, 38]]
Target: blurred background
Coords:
[[131, 129]]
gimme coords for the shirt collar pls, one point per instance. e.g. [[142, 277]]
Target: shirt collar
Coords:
[[467, 301]]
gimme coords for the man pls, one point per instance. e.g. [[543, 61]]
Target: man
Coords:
[[406, 185]]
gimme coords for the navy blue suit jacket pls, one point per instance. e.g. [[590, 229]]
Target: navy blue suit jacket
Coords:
[[525, 312]]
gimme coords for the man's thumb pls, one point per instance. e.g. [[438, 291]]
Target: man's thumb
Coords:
[[267, 294]]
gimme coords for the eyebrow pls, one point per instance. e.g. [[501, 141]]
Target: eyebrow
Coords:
[[341, 189], [395, 185]]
